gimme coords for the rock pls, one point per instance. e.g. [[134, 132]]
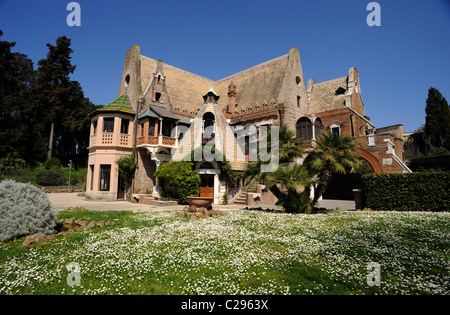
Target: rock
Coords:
[[202, 209], [101, 224], [192, 209], [200, 215], [216, 213], [69, 221], [109, 223], [37, 239], [182, 214]]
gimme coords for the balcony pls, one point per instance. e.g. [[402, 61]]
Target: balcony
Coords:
[[110, 139], [157, 141]]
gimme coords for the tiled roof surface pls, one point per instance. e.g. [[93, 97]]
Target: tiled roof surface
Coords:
[[120, 104]]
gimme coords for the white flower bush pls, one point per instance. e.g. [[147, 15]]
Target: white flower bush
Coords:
[[24, 210], [244, 252]]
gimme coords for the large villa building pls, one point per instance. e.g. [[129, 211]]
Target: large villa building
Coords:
[[166, 112]]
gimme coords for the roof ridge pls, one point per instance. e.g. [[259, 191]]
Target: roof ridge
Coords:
[[122, 98], [328, 81], [169, 65], [255, 66]]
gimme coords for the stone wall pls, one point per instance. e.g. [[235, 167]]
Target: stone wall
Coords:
[[144, 178]]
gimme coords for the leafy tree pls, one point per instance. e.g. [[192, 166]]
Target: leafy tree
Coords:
[[127, 167], [331, 154], [182, 177], [437, 121], [11, 164], [17, 132]]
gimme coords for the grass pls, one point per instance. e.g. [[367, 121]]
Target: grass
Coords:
[[240, 252]]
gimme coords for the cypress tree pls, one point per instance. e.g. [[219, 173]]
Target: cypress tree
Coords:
[[437, 121]]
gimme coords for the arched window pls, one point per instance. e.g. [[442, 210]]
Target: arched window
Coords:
[[318, 127], [208, 124], [304, 129]]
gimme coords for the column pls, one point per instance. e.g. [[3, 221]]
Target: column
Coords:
[[157, 189]]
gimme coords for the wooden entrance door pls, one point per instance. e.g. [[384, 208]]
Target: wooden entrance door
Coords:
[[207, 186], [120, 189]]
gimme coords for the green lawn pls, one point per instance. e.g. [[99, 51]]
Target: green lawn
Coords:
[[240, 252]]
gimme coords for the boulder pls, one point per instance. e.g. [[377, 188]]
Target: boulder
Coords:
[[192, 209], [200, 215], [37, 239]]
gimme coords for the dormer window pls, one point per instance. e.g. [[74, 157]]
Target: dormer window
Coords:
[[208, 124], [335, 127], [340, 91]]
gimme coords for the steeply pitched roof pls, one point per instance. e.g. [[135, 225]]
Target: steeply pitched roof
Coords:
[[157, 111], [120, 104], [260, 83], [184, 88], [324, 96]]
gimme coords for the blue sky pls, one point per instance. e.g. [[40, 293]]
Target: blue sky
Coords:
[[397, 62]]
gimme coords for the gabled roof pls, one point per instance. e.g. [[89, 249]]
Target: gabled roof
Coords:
[[120, 104], [260, 83], [157, 112], [324, 96]]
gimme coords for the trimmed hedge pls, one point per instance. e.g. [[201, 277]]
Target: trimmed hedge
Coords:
[[408, 192]]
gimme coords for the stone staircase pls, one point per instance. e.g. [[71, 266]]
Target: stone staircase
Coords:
[[241, 199]]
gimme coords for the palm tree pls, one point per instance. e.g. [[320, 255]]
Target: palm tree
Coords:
[[331, 154], [292, 194], [289, 147]]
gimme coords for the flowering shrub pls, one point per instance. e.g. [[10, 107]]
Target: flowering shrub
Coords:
[[24, 210]]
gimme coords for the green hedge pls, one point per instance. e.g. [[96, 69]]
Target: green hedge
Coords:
[[407, 192]]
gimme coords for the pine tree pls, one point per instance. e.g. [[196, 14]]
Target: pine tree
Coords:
[[62, 104], [437, 121]]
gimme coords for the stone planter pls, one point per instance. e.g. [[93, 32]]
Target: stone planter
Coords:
[[200, 202]]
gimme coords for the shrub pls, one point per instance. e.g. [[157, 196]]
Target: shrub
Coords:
[[408, 192], [182, 177], [24, 210], [52, 163], [127, 167], [50, 177]]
